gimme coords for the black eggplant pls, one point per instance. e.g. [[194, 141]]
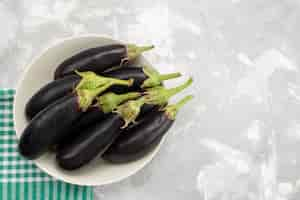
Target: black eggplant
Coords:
[[134, 143], [95, 114], [143, 77], [100, 58], [50, 125], [88, 118], [96, 139], [90, 143], [49, 94], [59, 88], [117, 157]]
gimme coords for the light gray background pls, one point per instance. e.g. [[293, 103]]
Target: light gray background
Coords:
[[239, 138]]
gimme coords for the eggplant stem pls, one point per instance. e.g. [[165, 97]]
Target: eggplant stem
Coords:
[[134, 51], [87, 93], [163, 77], [114, 81], [154, 78], [129, 95], [90, 80], [171, 110], [160, 95], [109, 101], [176, 90], [183, 101]]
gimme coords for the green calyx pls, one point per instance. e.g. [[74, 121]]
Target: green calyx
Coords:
[[89, 80], [134, 51], [160, 95], [91, 85], [109, 101], [130, 110], [155, 79], [171, 110]]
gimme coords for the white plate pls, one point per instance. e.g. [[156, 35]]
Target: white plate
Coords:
[[40, 72]]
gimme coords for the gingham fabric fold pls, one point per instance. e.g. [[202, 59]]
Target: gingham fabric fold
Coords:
[[20, 179]]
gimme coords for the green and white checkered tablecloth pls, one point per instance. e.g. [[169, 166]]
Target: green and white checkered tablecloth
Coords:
[[20, 179]]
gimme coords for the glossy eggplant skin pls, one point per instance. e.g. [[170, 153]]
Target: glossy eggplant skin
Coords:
[[124, 73], [49, 94], [90, 117], [49, 126], [134, 143], [91, 142], [147, 108], [124, 157], [96, 59]]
